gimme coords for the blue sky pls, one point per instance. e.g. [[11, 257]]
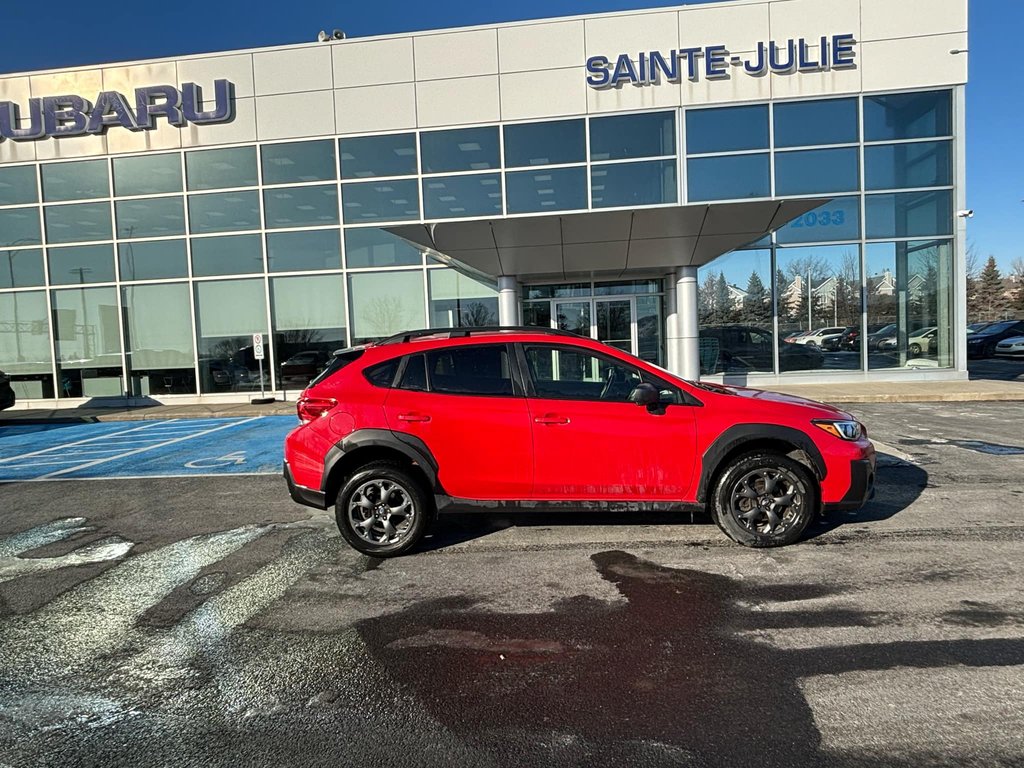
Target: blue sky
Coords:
[[63, 33]]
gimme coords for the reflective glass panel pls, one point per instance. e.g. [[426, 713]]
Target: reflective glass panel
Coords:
[[554, 143], [77, 223], [385, 303], [20, 226], [87, 332], [296, 251], [734, 305], [221, 168], [301, 206], [557, 290], [622, 184], [300, 161], [457, 300], [21, 269], [18, 185], [807, 123], [733, 177], [552, 189], [153, 217], [726, 129], [835, 220], [81, 264], [366, 156], [920, 164], [309, 321], [819, 296], [908, 116], [480, 369], [619, 287], [25, 352], [81, 180], [455, 196], [147, 174], [650, 329], [463, 149], [153, 260], [228, 313], [158, 339], [625, 136], [909, 214], [223, 212], [230, 255], [371, 247], [817, 171], [381, 201]]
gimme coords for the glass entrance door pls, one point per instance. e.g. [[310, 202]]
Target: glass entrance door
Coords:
[[611, 320]]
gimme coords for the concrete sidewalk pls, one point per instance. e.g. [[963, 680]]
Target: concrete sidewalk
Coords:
[[874, 392]]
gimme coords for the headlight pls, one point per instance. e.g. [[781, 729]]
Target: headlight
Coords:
[[844, 430]]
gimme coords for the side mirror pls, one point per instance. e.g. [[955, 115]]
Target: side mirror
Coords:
[[645, 394]]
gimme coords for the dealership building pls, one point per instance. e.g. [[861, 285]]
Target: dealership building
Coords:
[[694, 184]]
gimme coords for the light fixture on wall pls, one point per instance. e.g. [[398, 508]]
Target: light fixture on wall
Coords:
[[966, 214], [957, 51]]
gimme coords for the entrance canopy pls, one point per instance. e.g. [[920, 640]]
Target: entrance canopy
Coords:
[[610, 242]]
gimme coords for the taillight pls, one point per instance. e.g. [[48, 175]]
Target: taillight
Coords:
[[310, 408]]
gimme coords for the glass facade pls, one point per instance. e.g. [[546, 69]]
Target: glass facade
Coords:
[[147, 274]]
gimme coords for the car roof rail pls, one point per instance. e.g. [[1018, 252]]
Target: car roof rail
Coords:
[[454, 333]]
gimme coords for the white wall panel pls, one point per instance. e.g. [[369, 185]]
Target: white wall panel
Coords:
[[884, 19], [295, 115], [458, 101], [237, 69], [458, 54], [632, 97], [375, 108], [737, 27], [541, 46], [164, 136], [526, 95], [83, 82], [739, 87], [885, 64], [293, 70], [241, 129], [839, 81], [15, 89], [372, 63], [17, 151], [632, 33], [126, 79], [813, 18], [71, 146]]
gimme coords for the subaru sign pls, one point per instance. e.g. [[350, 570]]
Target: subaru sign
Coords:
[[716, 62], [72, 115]]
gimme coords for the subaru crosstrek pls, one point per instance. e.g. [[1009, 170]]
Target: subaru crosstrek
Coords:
[[526, 418]]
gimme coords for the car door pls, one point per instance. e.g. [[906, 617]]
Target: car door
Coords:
[[590, 442], [466, 405]]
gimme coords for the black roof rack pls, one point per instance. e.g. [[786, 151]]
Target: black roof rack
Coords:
[[454, 333]]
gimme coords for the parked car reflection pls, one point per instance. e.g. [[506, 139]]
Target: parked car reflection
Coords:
[[748, 349]]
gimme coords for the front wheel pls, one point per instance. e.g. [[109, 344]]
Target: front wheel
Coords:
[[383, 510], [915, 349], [764, 500]]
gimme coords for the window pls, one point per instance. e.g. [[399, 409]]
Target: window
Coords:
[[414, 377], [471, 370], [300, 161], [734, 304], [732, 177], [385, 303], [920, 164], [231, 255], [554, 189], [372, 247], [457, 300], [158, 339], [221, 168], [18, 185], [367, 156], [309, 323], [19, 226], [382, 374], [726, 129], [155, 217], [153, 260], [301, 206], [554, 143], [87, 332], [223, 212], [622, 184], [78, 223], [464, 149], [299, 251], [621, 137], [836, 220], [21, 269], [809, 123], [908, 116], [75, 181], [817, 171], [147, 174], [380, 201], [81, 264], [575, 374], [455, 196], [25, 352], [909, 214], [228, 312]]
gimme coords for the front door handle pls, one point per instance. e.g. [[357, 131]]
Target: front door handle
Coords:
[[419, 417], [551, 420]]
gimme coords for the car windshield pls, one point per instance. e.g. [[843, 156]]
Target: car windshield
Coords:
[[1000, 327]]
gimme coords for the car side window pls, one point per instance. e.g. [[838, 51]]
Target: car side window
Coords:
[[414, 377], [576, 374], [471, 370], [382, 374]]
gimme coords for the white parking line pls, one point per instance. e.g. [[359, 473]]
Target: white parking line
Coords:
[[77, 442]]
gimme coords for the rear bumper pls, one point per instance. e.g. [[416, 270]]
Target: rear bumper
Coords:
[[862, 487], [303, 495]]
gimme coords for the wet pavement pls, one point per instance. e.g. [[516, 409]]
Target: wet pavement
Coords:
[[208, 621]]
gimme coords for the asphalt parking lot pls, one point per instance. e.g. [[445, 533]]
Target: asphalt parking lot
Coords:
[[194, 616]]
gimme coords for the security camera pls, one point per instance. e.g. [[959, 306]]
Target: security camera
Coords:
[[968, 214], [338, 34], [323, 37]]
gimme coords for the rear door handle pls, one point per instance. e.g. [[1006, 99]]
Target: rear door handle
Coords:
[[413, 417], [551, 420]]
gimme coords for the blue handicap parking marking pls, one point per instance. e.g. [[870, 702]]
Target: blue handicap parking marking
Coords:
[[17, 439]]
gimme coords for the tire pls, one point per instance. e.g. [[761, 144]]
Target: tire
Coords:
[[739, 513], [367, 494], [915, 349]]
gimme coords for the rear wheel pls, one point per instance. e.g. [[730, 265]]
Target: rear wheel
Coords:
[[915, 349], [764, 500], [383, 510]]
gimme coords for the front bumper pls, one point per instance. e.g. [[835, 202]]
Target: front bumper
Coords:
[[862, 487], [303, 495]]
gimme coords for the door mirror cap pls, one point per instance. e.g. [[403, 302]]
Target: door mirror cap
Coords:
[[645, 394]]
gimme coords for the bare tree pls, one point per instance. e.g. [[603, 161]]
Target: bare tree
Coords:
[[385, 316]]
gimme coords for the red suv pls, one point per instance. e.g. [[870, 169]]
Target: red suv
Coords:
[[530, 419]]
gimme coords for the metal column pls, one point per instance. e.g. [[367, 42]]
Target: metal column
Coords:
[[508, 301], [687, 324]]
